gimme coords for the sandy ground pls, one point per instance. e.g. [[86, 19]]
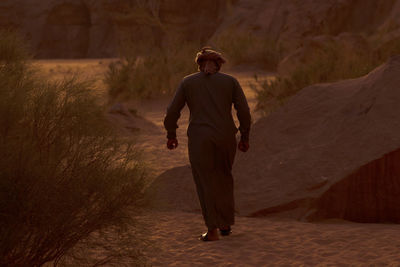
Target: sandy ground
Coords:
[[271, 242], [255, 241]]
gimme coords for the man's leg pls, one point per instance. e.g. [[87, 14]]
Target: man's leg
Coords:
[[212, 162], [202, 155], [225, 155]]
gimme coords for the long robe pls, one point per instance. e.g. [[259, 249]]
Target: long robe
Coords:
[[212, 138]]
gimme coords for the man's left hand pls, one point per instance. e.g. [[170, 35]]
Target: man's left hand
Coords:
[[172, 143]]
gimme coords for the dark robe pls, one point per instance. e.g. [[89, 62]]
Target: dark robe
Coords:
[[212, 138]]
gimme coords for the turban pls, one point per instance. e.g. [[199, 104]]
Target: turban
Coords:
[[207, 53]]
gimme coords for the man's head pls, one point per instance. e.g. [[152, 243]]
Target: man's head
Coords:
[[209, 60]]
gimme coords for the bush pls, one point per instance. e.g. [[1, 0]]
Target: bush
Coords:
[[64, 173], [151, 74], [329, 64]]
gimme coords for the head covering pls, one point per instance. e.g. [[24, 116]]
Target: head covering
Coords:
[[207, 53]]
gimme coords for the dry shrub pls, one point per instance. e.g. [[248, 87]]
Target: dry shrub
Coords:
[[150, 74], [64, 174], [245, 48], [329, 64]]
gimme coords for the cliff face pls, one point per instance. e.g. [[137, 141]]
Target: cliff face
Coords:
[[291, 22], [90, 28], [95, 28]]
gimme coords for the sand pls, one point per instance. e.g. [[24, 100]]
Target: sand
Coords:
[[270, 242], [255, 241]]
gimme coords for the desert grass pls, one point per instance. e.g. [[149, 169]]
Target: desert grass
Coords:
[[65, 175], [155, 73]]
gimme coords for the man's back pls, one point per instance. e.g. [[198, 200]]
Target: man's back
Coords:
[[210, 98]]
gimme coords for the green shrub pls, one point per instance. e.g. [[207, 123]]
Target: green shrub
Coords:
[[64, 173]]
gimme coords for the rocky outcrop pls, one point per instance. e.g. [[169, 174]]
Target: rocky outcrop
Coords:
[[290, 23], [314, 147], [96, 28]]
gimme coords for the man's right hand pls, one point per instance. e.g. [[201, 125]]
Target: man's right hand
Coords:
[[243, 146], [172, 143]]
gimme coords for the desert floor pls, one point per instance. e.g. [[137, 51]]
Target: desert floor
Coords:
[[255, 241]]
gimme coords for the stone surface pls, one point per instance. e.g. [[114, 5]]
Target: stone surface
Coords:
[[322, 135]]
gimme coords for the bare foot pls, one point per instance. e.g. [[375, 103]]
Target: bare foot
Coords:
[[211, 235]]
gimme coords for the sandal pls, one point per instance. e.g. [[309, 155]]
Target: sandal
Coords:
[[225, 232]]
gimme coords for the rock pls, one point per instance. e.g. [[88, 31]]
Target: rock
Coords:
[[368, 195], [96, 28], [315, 157], [174, 190], [66, 31], [290, 23]]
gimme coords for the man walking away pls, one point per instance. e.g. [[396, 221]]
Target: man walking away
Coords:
[[209, 95]]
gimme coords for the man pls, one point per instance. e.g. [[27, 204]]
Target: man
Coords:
[[209, 95]]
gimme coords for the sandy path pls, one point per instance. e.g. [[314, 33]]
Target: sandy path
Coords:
[[268, 242]]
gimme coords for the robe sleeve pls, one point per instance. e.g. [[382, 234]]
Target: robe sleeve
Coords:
[[242, 111], [174, 112]]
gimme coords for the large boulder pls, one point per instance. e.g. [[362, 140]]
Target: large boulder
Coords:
[[331, 151], [319, 145]]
